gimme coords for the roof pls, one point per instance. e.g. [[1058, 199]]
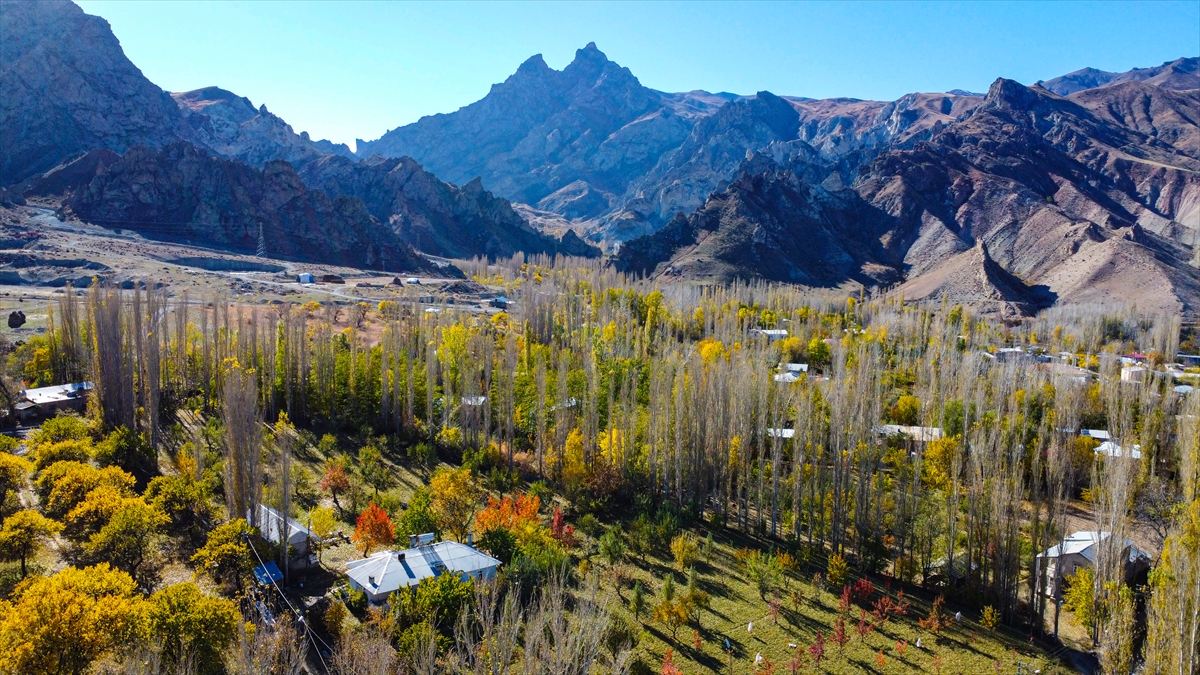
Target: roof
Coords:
[[781, 433], [796, 367], [474, 400], [270, 523], [61, 392], [770, 332], [267, 573], [1084, 544], [923, 434], [1098, 434], [1112, 449], [388, 571], [788, 377]]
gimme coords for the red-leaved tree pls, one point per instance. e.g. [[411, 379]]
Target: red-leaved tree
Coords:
[[373, 529]]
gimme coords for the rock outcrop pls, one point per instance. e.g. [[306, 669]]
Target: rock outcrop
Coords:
[[432, 215], [68, 88], [181, 193]]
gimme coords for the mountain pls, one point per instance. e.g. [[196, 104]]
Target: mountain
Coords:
[[1096, 197], [68, 89], [587, 129], [434, 216], [181, 193], [1180, 74], [232, 127]]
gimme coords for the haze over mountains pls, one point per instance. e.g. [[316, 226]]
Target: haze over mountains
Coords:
[[1082, 188]]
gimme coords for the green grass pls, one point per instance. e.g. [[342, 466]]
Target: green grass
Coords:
[[965, 647]]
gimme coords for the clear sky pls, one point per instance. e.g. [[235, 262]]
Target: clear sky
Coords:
[[346, 70]]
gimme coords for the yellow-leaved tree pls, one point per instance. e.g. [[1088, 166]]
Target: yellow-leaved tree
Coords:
[[456, 498], [59, 625]]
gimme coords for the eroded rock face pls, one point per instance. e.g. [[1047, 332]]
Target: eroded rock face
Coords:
[[1091, 198], [1178, 74], [432, 215], [180, 193], [232, 127], [68, 88]]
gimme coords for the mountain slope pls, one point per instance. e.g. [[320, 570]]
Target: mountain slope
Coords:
[[1181, 73], [1092, 205], [542, 130], [434, 216], [68, 88], [180, 193], [232, 127]]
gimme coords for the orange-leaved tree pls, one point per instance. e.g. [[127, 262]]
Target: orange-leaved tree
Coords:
[[511, 514], [374, 528]]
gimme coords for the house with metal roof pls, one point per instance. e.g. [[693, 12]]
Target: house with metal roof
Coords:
[[49, 401], [1081, 549], [917, 434], [388, 571]]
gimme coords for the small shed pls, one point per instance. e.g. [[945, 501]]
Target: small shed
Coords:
[[388, 571], [1133, 373], [772, 334], [305, 278], [917, 434], [271, 524], [1081, 549]]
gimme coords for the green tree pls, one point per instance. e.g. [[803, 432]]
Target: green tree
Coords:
[[637, 601], [1080, 596], [818, 351], [187, 621], [22, 534], [374, 470], [906, 411], [456, 498], [322, 521], [128, 450], [764, 571], [12, 477], [612, 547], [419, 517], [837, 571]]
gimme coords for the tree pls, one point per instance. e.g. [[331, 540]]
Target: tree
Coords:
[[94, 512], [335, 480], [128, 538], [22, 534], [189, 622], [128, 450], [990, 618], [70, 450], [837, 572], [322, 521], [560, 530], [71, 485], [500, 543], [12, 476], [373, 529], [1080, 596], [419, 517], [671, 613], [818, 649], [226, 556], [59, 625], [685, 549], [612, 547], [935, 621], [818, 351], [637, 601], [374, 470], [763, 569], [334, 619], [181, 497], [456, 496], [906, 410]]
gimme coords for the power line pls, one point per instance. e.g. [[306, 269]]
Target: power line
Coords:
[[307, 629]]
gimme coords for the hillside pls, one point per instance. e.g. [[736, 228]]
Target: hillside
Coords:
[[1093, 196]]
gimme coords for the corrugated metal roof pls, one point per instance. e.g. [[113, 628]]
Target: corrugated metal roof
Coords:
[[61, 392], [388, 571]]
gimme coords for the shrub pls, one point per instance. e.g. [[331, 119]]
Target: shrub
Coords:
[[990, 618], [837, 572]]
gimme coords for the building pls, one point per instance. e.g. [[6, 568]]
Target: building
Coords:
[[49, 401], [787, 377], [271, 525], [918, 434], [388, 571], [1112, 449], [1081, 549], [1098, 434], [1133, 373], [501, 303], [772, 334], [332, 279], [794, 367], [781, 433], [305, 278]]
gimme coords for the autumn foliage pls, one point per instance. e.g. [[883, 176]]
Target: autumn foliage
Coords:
[[508, 513], [373, 529]]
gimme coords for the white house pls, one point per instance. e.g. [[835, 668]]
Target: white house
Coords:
[[48, 401], [794, 367], [1080, 549], [387, 571], [772, 334], [271, 525], [787, 378], [1133, 373], [1112, 449], [918, 434]]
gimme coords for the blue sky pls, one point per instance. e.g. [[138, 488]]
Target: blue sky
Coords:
[[349, 70]]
